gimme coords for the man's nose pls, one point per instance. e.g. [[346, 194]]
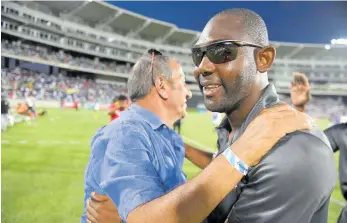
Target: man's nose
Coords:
[[189, 93]]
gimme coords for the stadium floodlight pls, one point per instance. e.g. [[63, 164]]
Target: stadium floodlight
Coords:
[[327, 47], [110, 39], [339, 41]]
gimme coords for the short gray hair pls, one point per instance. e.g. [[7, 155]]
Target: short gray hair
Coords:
[[141, 79]]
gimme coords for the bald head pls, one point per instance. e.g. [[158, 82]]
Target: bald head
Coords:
[[250, 25]]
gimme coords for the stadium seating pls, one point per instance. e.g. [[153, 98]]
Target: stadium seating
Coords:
[[19, 83], [44, 53]]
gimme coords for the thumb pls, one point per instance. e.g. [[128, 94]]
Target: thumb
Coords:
[[99, 197]]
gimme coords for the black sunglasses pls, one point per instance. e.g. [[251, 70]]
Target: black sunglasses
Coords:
[[154, 53], [220, 51]]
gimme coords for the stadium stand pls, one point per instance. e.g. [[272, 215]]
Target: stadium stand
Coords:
[[19, 83], [324, 106], [42, 52]]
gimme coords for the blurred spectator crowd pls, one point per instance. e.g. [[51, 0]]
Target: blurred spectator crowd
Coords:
[[31, 50], [319, 107], [21, 83]]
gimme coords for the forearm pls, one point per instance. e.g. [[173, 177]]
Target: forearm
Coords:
[[199, 157], [193, 201], [301, 108]]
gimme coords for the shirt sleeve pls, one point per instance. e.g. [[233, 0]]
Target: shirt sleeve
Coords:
[[343, 171], [330, 133], [128, 174], [291, 184], [337, 137]]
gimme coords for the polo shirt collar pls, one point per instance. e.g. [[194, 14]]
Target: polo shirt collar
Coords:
[[268, 99], [148, 116]]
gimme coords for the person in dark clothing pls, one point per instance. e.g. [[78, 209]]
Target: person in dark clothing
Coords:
[[177, 126], [300, 96], [337, 134], [241, 91], [289, 150], [5, 107], [337, 138]]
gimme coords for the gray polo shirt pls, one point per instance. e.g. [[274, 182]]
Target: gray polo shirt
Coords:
[[291, 184]]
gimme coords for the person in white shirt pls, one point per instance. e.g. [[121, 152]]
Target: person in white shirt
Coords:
[[30, 101]]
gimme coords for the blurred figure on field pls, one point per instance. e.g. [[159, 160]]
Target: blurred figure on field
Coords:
[[5, 106], [118, 105]]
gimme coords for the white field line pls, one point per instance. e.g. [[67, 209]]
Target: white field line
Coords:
[[48, 142]]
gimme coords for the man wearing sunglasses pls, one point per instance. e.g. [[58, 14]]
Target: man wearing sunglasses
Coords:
[[232, 58]]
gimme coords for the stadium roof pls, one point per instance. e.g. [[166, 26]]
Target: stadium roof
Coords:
[[101, 15]]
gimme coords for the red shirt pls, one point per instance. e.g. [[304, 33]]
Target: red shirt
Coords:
[[117, 109], [116, 113]]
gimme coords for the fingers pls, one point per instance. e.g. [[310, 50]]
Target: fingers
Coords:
[[93, 204], [300, 78], [303, 88], [91, 213], [300, 121], [102, 212], [275, 109], [91, 219], [99, 197], [292, 121], [268, 128], [286, 119], [299, 88], [104, 202]]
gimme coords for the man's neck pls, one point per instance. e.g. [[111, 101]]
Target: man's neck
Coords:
[[154, 105], [236, 117]]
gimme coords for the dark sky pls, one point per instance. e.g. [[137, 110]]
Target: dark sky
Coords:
[[301, 22]]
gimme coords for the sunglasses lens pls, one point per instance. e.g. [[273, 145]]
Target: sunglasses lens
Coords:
[[216, 53], [197, 56], [222, 52]]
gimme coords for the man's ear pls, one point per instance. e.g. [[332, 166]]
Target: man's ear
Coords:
[[161, 86], [265, 58]]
